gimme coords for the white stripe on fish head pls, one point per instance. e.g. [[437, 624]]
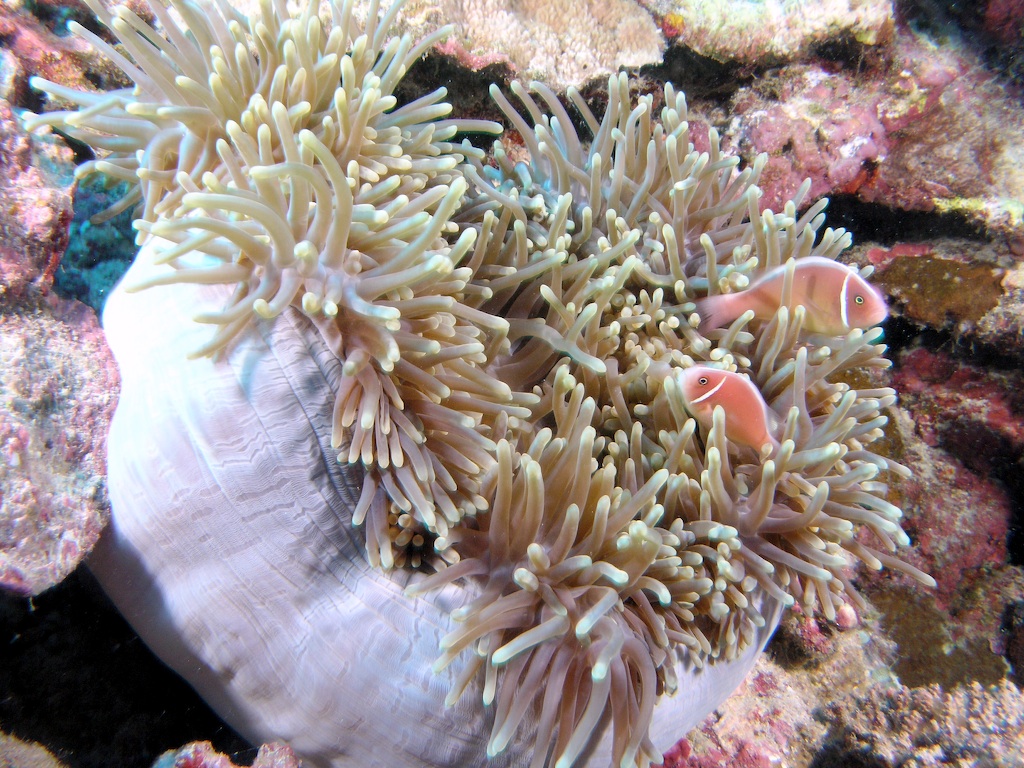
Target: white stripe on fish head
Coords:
[[844, 298], [710, 392]]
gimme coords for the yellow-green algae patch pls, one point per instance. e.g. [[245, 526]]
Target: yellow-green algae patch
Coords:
[[935, 291], [927, 655]]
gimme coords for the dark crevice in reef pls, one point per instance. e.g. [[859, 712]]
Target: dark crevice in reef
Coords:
[[885, 226], [1009, 470], [467, 88], [74, 676], [843, 52], [1012, 629], [901, 335], [96, 256], [790, 649], [1015, 538], [56, 17], [840, 756], [700, 77]]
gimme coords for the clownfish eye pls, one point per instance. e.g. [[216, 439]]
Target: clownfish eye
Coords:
[[858, 299], [703, 381]]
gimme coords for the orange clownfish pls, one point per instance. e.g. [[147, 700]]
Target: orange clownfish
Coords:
[[835, 297], [748, 420]]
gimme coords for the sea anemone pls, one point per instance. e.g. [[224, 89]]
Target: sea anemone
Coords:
[[511, 339]]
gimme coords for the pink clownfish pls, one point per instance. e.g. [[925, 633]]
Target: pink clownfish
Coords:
[[835, 297], [748, 420]]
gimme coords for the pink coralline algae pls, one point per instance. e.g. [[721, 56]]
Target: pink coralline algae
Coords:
[[967, 520], [841, 130], [58, 389], [745, 755], [921, 128], [975, 414], [955, 136], [201, 754], [818, 126]]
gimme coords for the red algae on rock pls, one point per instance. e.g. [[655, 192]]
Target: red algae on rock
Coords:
[[975, 414], [961, 428]]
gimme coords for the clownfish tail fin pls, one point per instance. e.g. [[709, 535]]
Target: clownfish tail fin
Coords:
[[717, 311]]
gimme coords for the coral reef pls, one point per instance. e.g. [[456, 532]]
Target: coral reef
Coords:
[[929, 726], [771, 31], [561, 42], [878, 722], [33, 45], [962, 428], [927, 279], [813, 124]]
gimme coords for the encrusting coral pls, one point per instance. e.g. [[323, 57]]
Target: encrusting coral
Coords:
[[513, 338]]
